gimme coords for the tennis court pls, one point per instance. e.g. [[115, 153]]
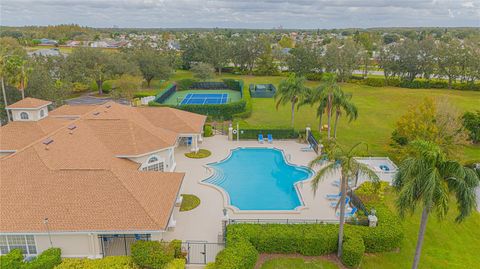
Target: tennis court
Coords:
[[205, 99]]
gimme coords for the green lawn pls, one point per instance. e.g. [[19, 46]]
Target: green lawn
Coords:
[[379, 109], [298, 263], [447, 244]]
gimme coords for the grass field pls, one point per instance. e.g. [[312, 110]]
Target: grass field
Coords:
[[379, 109], [298, 263]]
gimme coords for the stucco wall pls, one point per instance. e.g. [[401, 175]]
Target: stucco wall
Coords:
[[72, 245], [166, 154], [33, 114]]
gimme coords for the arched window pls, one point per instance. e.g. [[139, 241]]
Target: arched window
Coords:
[[24, 116], [42, 113], [153, 159]]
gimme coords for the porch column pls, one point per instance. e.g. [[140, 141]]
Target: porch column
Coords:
[[194, 143]]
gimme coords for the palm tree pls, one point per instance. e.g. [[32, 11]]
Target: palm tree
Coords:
[[342, 161], [291, 90], [325, 94], [342, 102], [2, 78], [426, 177], [15, 66]]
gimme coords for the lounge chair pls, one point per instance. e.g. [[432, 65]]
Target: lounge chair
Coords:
[[334, 204], [270, 138], [333, 196], [307, 149], [260, 138], [349, 214]]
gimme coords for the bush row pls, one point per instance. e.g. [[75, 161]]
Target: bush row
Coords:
[[287, 133], [112, 262], [311, 239], [152, 254], [415, 84], [46, 260]]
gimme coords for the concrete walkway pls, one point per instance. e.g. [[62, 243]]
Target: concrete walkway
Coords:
[[204, 223]]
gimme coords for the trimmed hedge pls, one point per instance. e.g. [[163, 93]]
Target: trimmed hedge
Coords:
[[47, 260], [312, 239], [112, 262], [12, 260], [352, 251], [239, 255], [152, 254], [415, 84], [287, 133], [207, 130], [176, 264]]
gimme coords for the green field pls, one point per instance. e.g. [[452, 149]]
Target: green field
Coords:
[[298, 263], [379, 109]]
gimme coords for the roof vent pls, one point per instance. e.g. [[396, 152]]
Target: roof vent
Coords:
[[96, 113], [108, 106], [72, 127], [48, 141]]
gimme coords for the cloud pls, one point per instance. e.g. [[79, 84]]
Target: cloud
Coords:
[[242, 14]]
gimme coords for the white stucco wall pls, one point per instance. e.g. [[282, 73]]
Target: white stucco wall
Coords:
[[33, 114], [72, 245], [167, 155]]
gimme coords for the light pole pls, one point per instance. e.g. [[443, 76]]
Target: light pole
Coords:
[[45, 221]]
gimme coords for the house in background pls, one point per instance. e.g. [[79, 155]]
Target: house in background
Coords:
[[47, 42], [90, 179]]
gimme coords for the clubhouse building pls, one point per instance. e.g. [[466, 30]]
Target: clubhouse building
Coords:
[[81, 176]]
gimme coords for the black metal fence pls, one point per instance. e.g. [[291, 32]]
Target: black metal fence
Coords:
[[297, 221], [313, 142]]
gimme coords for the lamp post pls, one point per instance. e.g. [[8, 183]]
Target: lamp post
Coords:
[[45, 221]]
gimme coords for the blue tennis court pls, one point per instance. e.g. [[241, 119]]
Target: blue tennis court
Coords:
[[205, 99]]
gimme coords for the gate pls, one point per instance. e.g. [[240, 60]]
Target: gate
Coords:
[[200, 252], [313, 142]]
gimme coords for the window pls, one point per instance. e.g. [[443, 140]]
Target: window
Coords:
[[24, 116], [24, 242], [154, 164], [42, 113]]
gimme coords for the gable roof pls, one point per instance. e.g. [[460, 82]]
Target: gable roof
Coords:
[[179, 121], [29, 103]]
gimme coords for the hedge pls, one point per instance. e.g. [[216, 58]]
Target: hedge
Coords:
[[152, 254], [47, 260], [185, 84], [225, 111], [352, 251], [287, 133], [176, 264], [311, 239], [12, 260], [207, 130], [112, 262], [238, 255], [415, 84]]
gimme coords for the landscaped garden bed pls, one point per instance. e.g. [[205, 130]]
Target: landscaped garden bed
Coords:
[[202, 153]]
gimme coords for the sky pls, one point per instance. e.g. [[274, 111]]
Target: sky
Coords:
[[263, 14]]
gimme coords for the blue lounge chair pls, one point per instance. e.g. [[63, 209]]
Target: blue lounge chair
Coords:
[[260, 138], [334, 204], [349, 214], [270, 138], [333, 196]]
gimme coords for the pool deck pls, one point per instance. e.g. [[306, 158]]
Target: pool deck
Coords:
[[204, 223]]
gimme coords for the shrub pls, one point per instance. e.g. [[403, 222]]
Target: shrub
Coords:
[[176, 264], [112, 262], [314, 76], [47, 260], [252, 133], [106, 86], [207, 130], [211, 265], [184, 84], [352, 251], [79, 87], [12, 260], [202, 153], [240, 254], [176, 245], [189, 202], [151, 254]]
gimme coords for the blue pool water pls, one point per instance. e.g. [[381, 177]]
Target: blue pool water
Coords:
[[259, 179]]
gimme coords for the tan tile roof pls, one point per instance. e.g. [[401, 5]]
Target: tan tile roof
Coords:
[[29, 102], [18, 134], [72, 110], [176, 120], [82, 200]]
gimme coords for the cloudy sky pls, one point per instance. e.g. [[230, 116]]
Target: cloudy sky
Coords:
[[242, 13]]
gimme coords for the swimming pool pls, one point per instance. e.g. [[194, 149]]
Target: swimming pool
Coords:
[[259, 179]]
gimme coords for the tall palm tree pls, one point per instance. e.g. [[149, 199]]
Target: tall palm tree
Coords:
[[291, 90], [325, 94], [343, 161], [342, 101], [3, 71], [427, 178], [15, 66]]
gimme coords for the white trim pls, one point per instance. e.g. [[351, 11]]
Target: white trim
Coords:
[[28, 108], [8, 151], [143, 154], [84, 232]]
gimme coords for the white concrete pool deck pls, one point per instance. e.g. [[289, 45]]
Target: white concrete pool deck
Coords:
[[204, 222]]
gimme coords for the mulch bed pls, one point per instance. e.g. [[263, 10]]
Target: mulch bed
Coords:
[[262, 258]]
